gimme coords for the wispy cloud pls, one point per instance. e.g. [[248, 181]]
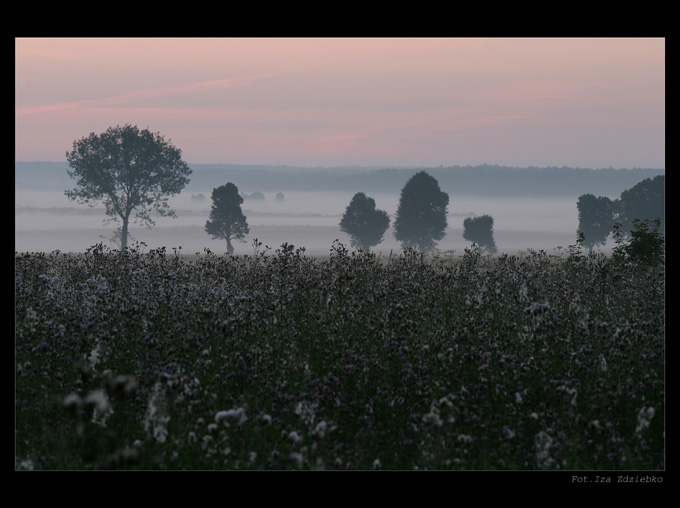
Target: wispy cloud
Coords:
[[138, 95], [567, 91]]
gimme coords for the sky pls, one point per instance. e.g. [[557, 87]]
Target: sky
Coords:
[[324, 102]]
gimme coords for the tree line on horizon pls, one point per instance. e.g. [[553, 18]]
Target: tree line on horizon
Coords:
[[134, 172], [601, 217]]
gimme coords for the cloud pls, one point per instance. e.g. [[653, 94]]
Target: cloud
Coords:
[[140, 95]]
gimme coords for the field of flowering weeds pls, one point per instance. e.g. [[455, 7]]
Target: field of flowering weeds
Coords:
[[150, 360]]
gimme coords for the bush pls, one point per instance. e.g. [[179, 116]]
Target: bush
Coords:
[[645, 245]]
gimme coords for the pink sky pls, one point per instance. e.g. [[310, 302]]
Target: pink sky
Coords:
[[352, 101]]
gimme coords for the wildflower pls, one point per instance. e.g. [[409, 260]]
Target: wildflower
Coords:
[[294, 437], [297, 459], [94, 356], [644, 416], [155, 414], [603, 363], [26, 465], [232, 417], [125, 457], [572, 392], [99, 401], [543, 444], [121, 385], [433, 417], [321, 429], [72, 402]]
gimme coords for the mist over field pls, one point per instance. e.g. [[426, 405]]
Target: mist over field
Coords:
[[532, 208]]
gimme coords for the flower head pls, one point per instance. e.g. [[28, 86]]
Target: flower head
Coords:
[[232, 417]]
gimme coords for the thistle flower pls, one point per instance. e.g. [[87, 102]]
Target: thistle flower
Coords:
[[433, 417], [644, 416], [72, 402], [124, 385], [99, 401], [294, 437], [234, 417], [297, 459], [542, 445]]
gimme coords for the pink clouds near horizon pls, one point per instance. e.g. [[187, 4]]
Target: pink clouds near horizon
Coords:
[[330, 102]]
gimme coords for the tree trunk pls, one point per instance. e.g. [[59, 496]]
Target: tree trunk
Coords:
[[124, 235], [230, 248]]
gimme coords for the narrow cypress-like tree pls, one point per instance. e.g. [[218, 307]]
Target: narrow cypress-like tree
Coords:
[[226, 218], [365, 224], [421, 216]]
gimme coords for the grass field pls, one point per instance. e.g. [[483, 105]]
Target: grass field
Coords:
[[278, 360]]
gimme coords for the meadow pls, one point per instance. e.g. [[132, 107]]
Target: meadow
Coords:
[[153, 360]]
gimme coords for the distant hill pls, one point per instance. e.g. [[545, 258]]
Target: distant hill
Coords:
[[485, 180]]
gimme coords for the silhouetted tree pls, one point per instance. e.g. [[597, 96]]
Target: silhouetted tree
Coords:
[[595, 219], [644, 201], [226, 218], [421, 216], [128, 170], [365, 224], [479, 230], [646, 245]]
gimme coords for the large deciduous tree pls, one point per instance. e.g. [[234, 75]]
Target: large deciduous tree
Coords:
[[129, 170], [365, 224], [226, 218], [421, 215]]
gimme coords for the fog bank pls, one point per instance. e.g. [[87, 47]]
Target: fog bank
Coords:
[[47, 221]]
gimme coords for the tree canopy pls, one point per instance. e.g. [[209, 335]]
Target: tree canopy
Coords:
[[129, 170], [643, 201], [595, 219], [226, 218], [421, 216], [479, 230], [365, 224]]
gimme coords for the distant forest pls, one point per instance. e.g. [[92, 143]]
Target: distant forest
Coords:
[[484, 180]]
